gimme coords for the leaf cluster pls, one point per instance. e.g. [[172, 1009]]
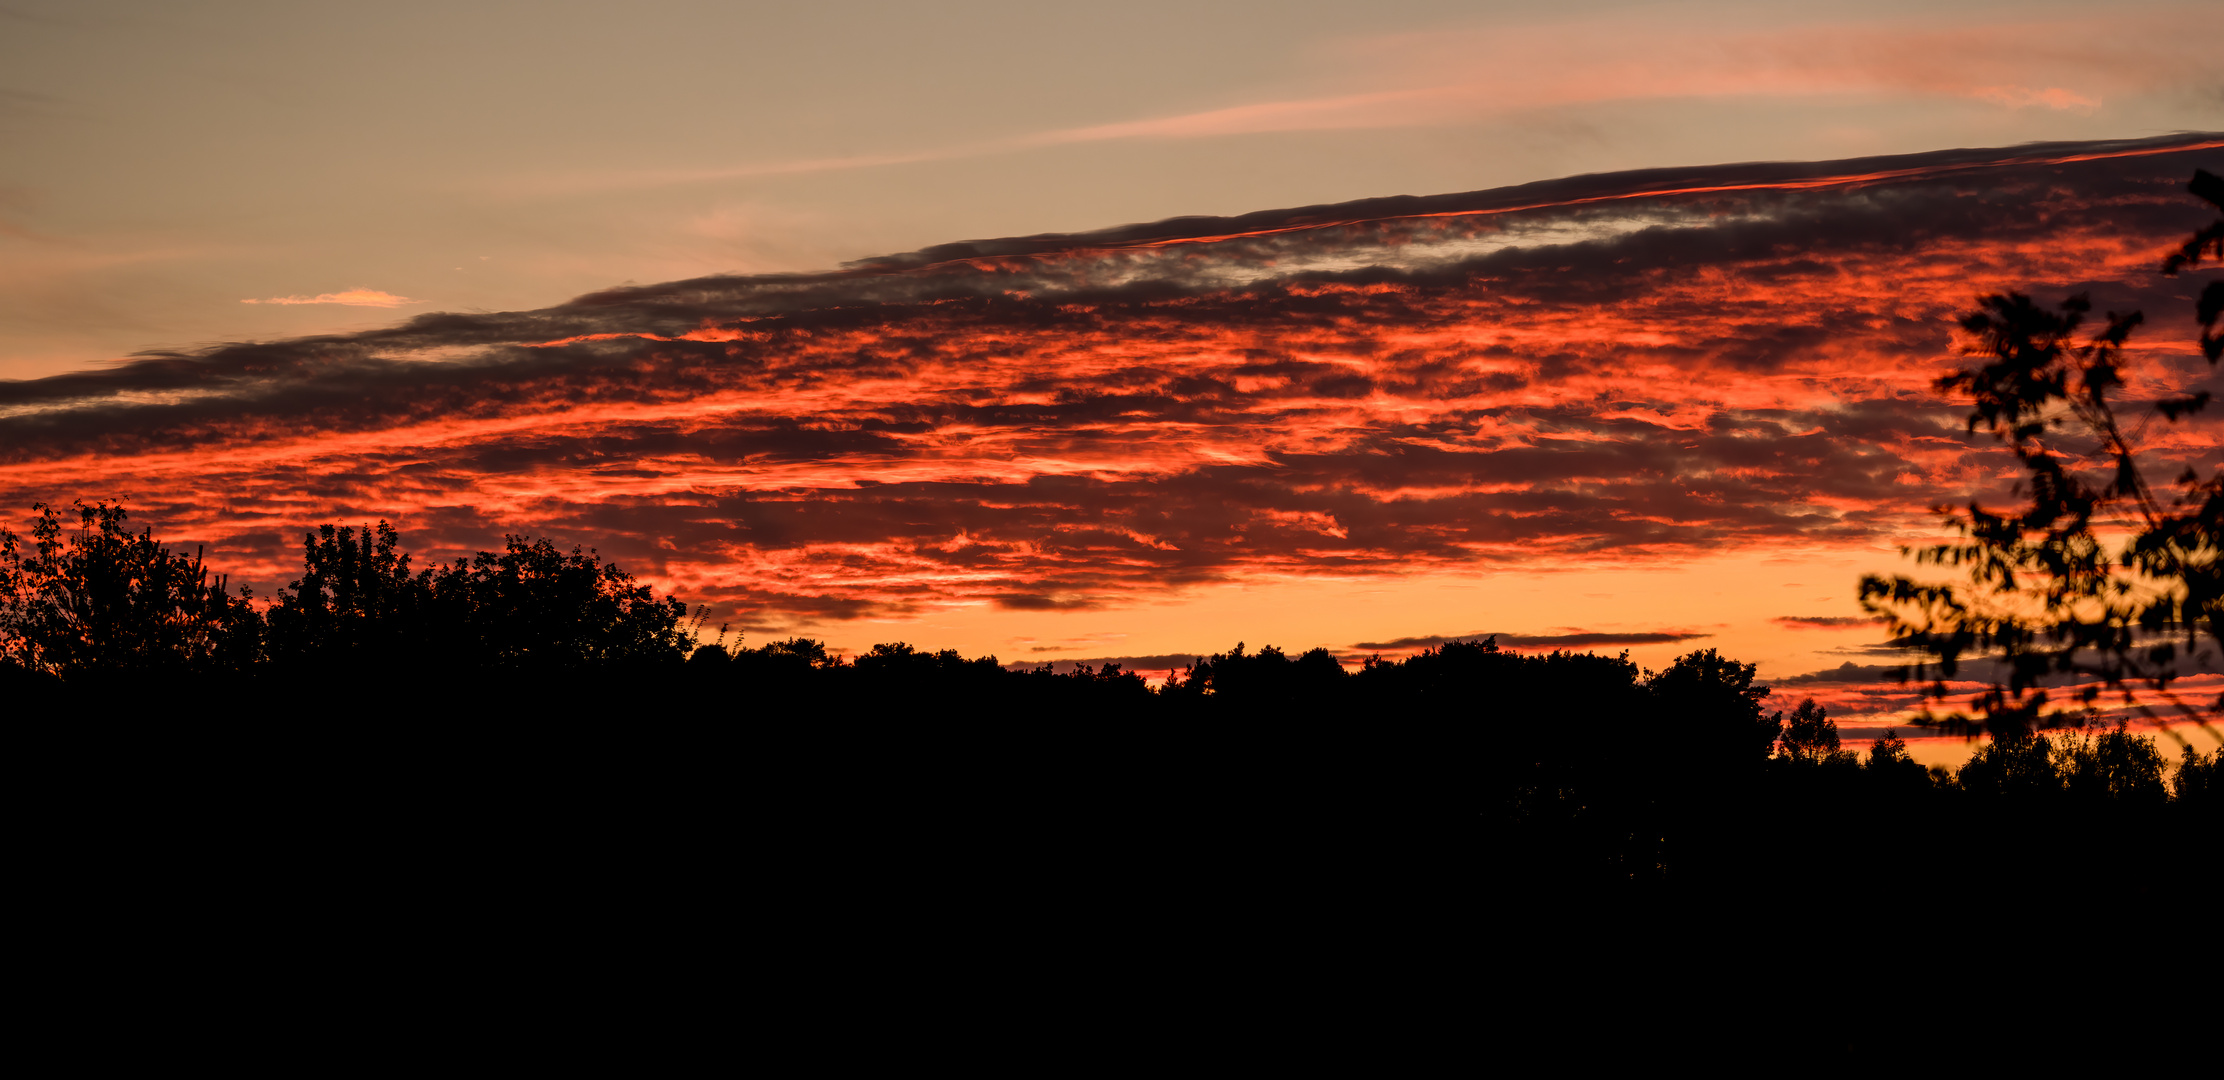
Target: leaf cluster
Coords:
[[2097, 584]]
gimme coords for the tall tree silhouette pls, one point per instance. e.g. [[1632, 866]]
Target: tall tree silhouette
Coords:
[[2045, 591]]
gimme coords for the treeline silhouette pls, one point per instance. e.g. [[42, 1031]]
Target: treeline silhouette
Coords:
[[107, 605], [1462, 772]]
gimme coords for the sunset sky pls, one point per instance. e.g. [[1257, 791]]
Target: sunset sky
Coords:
[[704, 286]]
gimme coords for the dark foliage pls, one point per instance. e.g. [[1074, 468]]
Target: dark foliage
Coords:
[[355, 604], [106, 603], [533, 608], [1557, 777], [2070, 614], [526, 629]]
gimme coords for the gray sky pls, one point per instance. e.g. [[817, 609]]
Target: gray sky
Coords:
[[162, 162]]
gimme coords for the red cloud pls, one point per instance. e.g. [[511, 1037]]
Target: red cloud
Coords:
[[1732, 357]]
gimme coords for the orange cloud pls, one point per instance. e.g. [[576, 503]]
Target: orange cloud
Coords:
[[356, 297]]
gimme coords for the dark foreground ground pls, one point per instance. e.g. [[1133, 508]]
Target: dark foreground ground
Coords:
[[1513, 850]]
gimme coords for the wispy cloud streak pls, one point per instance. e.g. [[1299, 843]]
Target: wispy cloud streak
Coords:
[[1447, 77]]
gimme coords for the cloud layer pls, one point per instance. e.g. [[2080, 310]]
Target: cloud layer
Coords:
[[1606, 368]]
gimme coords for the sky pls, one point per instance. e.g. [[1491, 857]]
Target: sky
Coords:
[[713, 289]]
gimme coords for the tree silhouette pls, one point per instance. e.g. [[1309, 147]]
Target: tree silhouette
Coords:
[[1715, 710], [355, 602], [1267, 682], [1464, 776], [534, 607], [2199, 785], [2020, 770], [1892, 769], [105, 600], [1811, 735], [2111, 767], [2046, 592]]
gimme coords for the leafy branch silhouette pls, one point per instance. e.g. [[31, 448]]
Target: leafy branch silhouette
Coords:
[[2097, 586]]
